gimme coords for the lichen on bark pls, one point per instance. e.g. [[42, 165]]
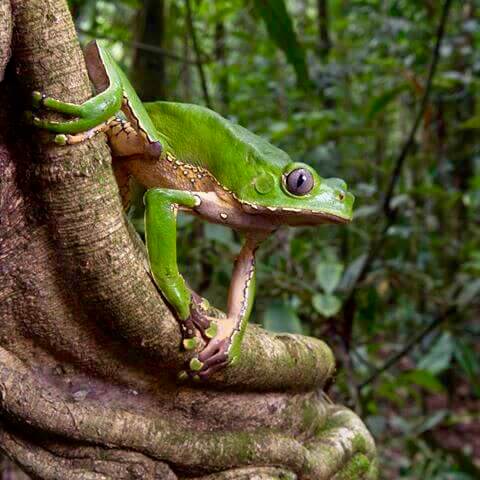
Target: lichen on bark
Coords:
[[89, 352]]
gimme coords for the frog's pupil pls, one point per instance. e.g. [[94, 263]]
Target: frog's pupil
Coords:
[[301, 180]]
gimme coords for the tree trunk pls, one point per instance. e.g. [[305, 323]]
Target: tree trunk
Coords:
[[324, 42], [89, 353], [149, 67], [222, 65]]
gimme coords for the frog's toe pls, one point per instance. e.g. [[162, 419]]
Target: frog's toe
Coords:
[[61, 139], [215, 352], [37, 99], [190, 343]]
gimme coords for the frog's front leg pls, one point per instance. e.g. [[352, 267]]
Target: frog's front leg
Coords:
[[89, 114], [160, 233], [224, 349]]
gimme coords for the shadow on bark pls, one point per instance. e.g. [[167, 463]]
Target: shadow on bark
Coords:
[[89, 352]]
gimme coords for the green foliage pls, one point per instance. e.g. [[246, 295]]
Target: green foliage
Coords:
[[280, 28], [423, 405]]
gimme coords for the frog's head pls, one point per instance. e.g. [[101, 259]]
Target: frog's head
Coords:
[[297, 195]]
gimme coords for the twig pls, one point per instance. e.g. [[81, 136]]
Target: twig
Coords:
[[384, 205], [198, 54], [434, 324], [423, 105], [140, 46]]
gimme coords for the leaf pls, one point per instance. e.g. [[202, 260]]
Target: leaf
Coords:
[[352, 272], [380, 102], [424, 379], [470, 364], [326, 304], [366, 211], [281, 317], [431, 421], [219, 233], [469, 293], [471, 123], [280, 29], [440, 355], [328, 275]]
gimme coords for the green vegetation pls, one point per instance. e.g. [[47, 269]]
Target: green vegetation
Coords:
[[380, 94]]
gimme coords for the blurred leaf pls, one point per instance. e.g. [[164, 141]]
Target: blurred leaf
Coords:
[[280, 28], [219, 233], [326, 304], [470, 364], [471, 123], [470, 292], [280, 317], [424, 379], [366, 211], [379, 103], [352, 272], [439, 357], [431, 421], [328, 275]]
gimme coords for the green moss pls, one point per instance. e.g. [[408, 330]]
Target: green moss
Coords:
[[359, 443], [356, 469]]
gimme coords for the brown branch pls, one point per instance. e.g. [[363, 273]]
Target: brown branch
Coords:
[[395, 176], [416, 340], [139, 45], [198, 54], [375, 247]]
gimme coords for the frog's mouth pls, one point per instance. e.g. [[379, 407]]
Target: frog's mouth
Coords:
[[294, 216]]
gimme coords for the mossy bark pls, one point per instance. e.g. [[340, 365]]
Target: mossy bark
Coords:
[[89, 352]]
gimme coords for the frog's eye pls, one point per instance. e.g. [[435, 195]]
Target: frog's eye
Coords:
[[299, 181]]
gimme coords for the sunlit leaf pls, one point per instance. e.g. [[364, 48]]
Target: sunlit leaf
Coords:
[[328, 275], [326, 304]]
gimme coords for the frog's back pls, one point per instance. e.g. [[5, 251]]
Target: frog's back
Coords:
[[201, 137]]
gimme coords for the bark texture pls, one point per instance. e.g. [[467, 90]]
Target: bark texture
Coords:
[[89, 352]]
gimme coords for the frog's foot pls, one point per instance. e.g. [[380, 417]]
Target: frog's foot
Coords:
[[87, 115], [218, 353], [214, 357]]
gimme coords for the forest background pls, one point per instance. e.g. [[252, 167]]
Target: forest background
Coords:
[[379, 93]]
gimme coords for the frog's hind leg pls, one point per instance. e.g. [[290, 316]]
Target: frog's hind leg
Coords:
[[124, 140]]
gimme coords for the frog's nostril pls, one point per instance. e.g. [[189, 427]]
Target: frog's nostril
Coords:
[[341, 195]]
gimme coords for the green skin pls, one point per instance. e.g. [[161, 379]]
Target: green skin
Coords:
[[190, 158]]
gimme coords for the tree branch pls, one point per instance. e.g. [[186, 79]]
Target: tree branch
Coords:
[[395, 176], [198, 54], [375, 247], [417, 339]]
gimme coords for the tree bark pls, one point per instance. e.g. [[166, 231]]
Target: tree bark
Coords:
[[89, 352]]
